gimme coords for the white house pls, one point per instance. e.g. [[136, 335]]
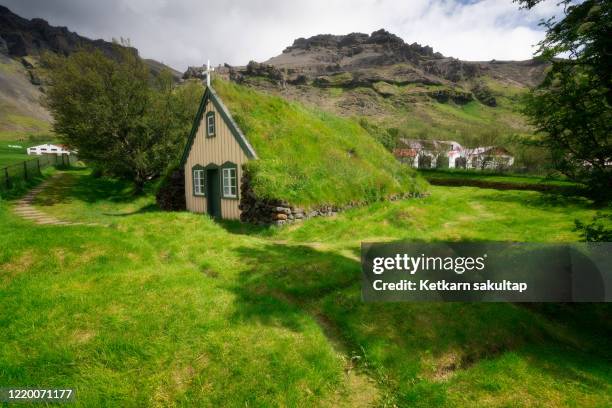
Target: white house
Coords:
[[448, 153], [428, 153], [49, 149], [487, 157]]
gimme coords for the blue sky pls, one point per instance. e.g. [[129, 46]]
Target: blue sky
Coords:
[[187, 32]]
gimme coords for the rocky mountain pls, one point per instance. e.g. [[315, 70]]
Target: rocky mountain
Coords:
[[396, 88], [22, 42], [385, 56], [380, 56], [20, 37]]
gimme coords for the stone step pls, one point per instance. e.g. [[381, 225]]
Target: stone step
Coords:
[[30, 213], [43, 219], [26, 210]]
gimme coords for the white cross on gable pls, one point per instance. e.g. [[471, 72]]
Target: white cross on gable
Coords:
[[208, 72]]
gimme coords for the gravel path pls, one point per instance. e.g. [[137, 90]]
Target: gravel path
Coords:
[[26, 210]]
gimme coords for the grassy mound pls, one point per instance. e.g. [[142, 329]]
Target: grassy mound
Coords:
[[308, 157]]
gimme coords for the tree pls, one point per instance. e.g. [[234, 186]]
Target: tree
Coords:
[[571, 108], [121, 121], [599, 230]]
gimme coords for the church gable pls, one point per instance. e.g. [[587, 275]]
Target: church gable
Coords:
[[210, 112]]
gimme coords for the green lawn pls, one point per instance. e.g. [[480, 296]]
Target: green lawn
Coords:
[[173, 309], [501, 181], [495, 176], [13, 152]]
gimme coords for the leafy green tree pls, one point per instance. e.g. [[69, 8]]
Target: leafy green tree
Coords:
[[120, 119], [571, 108]]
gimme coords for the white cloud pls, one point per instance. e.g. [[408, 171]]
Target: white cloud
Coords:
[[187, 32]]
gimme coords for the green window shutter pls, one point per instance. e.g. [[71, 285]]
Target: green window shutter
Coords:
[[211, 125], [229, 181]]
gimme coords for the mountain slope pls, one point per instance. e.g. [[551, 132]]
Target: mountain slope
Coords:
[[22, 42], [20, 105]]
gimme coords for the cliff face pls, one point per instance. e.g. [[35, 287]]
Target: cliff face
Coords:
[[358, 49], [20, 37], [382, 54]]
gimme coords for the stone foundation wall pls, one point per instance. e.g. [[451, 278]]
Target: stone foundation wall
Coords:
[[256, 210]]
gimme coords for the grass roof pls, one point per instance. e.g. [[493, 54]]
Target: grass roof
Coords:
[[309, 157]]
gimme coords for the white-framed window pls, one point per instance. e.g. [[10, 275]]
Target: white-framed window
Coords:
[[230, 185], [198, 182], [210, 124]]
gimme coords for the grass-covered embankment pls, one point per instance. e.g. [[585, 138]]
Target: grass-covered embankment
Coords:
[[172, 309], [309, 157], [500, 181]]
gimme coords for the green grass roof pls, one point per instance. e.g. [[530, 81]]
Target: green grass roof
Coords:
[[309, 157]]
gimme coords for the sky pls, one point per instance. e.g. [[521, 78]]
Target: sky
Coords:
[[183, 33]]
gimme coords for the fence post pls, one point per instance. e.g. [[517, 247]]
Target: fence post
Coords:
[[25, 170], [38, 164], [8, 181]]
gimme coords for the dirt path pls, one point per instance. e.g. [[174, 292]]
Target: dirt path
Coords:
[[26, 210], [359, 389]]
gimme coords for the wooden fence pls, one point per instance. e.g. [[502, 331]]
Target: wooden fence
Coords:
[[28, 169]]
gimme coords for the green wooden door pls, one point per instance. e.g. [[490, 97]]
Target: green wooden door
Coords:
[[213, 193]]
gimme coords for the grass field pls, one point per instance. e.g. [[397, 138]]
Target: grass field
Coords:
[[501, 181], [12, 152], [173, 309], [495, 177]]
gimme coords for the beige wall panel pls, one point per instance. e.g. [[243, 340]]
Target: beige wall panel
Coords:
[[218, 150]]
